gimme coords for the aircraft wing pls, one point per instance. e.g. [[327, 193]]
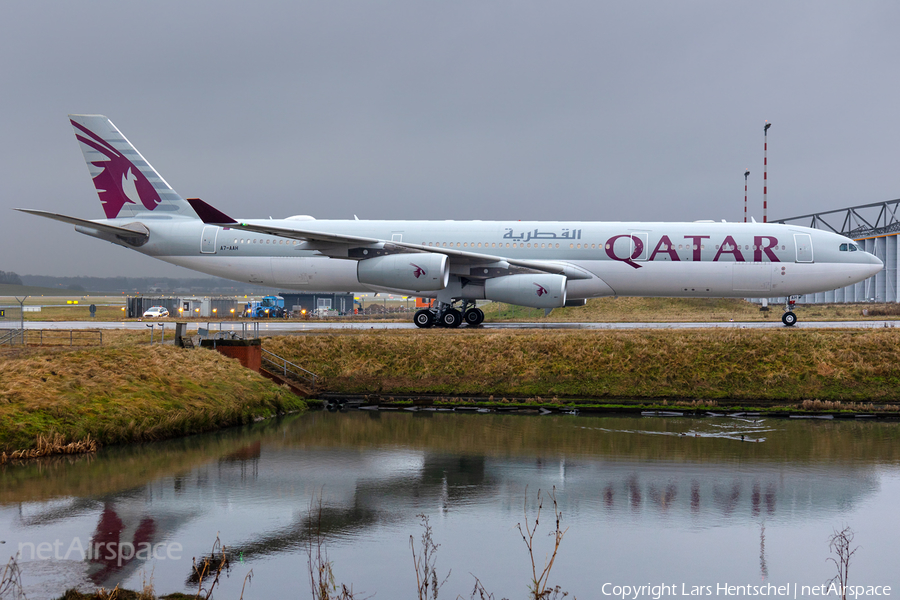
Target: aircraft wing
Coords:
[[475, 264]]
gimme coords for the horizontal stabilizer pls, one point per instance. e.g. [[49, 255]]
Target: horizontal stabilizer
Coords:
[[132, 230]]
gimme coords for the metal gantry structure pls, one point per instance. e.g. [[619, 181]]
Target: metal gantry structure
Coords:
[[876, 227]]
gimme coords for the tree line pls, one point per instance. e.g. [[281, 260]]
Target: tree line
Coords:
[[10, 277]]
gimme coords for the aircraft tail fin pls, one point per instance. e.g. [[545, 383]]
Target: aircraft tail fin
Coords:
[[126, 183]]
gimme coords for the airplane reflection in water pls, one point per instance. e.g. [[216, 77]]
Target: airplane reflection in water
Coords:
[[266, 488]]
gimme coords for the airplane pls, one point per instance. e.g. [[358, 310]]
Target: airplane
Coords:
[[539, 264]]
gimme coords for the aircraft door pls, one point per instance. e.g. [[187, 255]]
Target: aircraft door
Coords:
[[803, 243], [208, 240]]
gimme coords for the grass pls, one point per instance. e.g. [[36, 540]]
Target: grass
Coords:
[[126, 393], [691, 310], [735, 364]]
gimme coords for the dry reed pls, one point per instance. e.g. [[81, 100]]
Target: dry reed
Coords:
[[54, 444]]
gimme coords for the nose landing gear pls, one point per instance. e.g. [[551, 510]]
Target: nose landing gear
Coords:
[[789, 318]]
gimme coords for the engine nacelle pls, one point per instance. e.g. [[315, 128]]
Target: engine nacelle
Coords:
[[420, 272], [536, 291]]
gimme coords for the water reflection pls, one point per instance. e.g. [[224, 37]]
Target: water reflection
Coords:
[[376, 471]]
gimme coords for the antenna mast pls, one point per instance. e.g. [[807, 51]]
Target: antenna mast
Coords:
[[765, 169], [746, 175]]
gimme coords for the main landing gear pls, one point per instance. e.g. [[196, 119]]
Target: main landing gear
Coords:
[[789, 318], [445, 315]]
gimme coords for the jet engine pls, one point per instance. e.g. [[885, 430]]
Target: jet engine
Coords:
[[536, 291], [420, 272]]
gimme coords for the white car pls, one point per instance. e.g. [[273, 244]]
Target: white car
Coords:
[[156, 312]]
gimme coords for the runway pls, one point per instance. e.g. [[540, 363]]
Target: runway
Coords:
[[279, 327]]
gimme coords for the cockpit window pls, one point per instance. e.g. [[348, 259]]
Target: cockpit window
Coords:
[[853, 248], [843, 247]]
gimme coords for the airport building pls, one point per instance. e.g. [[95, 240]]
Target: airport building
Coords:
[[312, 302], [184, 307], [876, 228]]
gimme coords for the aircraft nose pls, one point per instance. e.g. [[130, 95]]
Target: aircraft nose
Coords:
[[874, 263]]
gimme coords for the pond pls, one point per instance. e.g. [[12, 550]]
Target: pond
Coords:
[[644, 501]]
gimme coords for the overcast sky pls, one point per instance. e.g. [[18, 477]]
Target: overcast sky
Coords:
[[629, 110]]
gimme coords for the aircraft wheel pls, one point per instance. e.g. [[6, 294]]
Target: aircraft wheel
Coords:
[[451, 318], [423, 318], [789, 319], [474, 317]]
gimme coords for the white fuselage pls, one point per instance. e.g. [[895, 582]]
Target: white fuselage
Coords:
[[700, 259]]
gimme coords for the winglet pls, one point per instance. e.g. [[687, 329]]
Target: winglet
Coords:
[[208, 214]]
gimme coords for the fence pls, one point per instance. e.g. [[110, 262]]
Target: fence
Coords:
[[249, 329], [51, 337], [11, 337]]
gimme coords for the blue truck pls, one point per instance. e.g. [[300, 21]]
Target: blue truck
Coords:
[[270, 307]]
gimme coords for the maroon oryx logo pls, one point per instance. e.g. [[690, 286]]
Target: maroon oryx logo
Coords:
[[541, 290], [120, 182], [419, 270]]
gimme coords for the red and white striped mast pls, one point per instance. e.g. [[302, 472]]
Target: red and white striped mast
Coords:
[[746, 175], [765, 168]]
